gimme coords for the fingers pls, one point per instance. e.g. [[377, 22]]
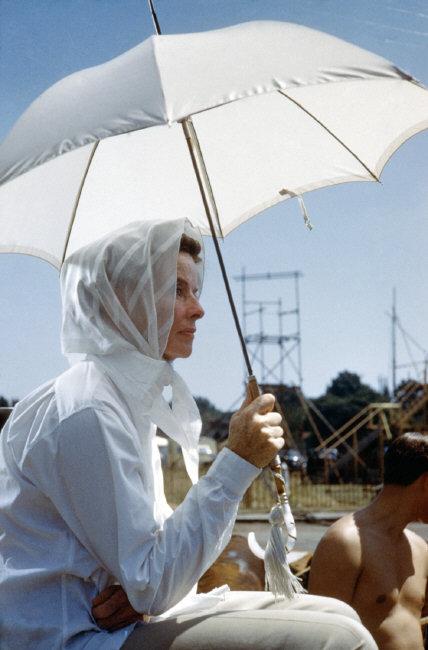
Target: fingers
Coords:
[[275, 436], [104, 595], [112, 609], [271, 419], [119, 619], [278, 443], [110, 600], [272, 432], [262, 404]]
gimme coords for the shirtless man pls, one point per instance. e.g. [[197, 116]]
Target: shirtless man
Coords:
[[371, 561]]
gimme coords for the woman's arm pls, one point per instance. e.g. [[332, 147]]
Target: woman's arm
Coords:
[[90, 468]]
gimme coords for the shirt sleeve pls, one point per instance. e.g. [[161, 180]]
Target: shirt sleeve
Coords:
[[92, 470]]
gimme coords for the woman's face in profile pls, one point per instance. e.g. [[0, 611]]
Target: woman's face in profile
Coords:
[[187, 310]]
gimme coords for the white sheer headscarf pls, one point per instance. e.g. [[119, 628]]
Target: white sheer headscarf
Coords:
[[118, 297]]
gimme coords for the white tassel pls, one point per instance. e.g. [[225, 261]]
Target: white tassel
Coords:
[[279, 578], [306, 219]]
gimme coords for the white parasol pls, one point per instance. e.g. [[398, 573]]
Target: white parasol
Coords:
[[277, 109]]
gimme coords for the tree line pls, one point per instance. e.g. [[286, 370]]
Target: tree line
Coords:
[[343, 398]]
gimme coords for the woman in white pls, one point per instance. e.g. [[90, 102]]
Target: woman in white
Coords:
[[81, 491]]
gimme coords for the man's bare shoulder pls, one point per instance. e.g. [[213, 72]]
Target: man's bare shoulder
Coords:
[[419, 547], [345, 524], [344, 533], [416, 540], [337, 554]]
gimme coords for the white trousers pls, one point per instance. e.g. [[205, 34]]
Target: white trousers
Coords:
[[253, 620]]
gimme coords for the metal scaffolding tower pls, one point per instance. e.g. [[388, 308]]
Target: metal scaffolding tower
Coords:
[[419, 366], [259, 315]]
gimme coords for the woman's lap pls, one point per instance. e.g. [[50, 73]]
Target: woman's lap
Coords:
[[254, 620]]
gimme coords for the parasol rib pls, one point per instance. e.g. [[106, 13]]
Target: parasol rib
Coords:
[[76, 203], [354, 155], [210, 206], [202, 175]]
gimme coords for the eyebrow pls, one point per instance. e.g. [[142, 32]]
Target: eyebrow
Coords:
[[183, 282]]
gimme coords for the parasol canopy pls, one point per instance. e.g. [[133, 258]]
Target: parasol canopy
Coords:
[[277, 109]]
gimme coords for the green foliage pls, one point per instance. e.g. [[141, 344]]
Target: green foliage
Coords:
[[346, 384], [404, 386], [211, 417], [207, 408], [344, 397]]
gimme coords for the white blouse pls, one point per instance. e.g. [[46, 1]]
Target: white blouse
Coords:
[[82, 505]]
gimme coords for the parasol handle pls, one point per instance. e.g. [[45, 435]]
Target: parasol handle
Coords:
[[275, 466]]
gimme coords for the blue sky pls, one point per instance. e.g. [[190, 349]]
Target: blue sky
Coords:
[[367, 237]]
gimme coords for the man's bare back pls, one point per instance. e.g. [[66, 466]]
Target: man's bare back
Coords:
[[379, 570]]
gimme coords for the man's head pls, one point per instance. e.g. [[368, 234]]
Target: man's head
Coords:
[[187, 309], [406, 459], [406, 468]]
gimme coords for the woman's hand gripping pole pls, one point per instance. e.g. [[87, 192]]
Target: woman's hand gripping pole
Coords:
[[279, 578]]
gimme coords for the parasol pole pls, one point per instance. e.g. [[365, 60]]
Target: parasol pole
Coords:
[[210, 207], [155, 18], [279, 578]]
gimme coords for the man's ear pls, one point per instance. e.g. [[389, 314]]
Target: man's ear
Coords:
[[422, 483]]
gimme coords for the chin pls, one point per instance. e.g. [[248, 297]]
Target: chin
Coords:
[[178, 354], [184, 354]]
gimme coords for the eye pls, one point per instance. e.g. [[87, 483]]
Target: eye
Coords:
[[179, 290]]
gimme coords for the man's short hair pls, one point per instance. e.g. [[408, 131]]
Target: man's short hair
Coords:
[[190, 246], [406, 459]]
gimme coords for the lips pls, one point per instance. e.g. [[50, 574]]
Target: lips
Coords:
[[189, 332]]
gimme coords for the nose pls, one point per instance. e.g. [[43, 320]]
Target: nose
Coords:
[[197, 309]]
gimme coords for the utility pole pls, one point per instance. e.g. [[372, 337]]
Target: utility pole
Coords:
[[394, 340]]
